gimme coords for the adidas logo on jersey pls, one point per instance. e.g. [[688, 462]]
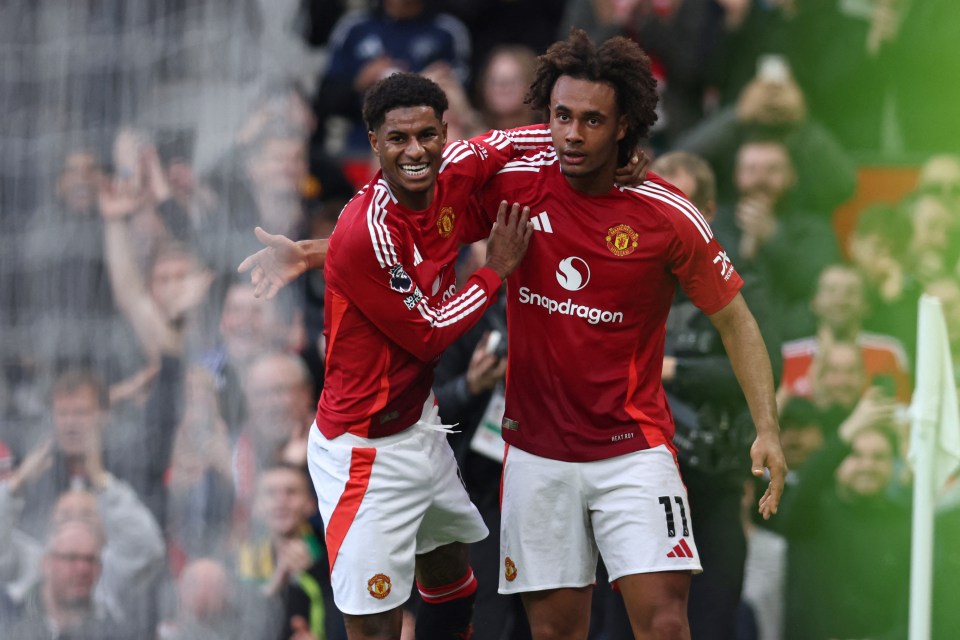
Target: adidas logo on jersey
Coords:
[[541, 222], [681, 550]]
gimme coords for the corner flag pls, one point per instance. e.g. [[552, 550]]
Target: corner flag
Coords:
[[934, 451]]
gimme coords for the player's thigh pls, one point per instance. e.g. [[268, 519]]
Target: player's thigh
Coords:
[[444, 565], [378, 626], [640, 514], [372, 501], [546, 538], [451, 516], [559, 614], [657, 604]]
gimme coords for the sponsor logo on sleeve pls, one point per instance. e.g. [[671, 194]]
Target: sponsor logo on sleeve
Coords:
[[446, 221], [726, 267], [622, 240], [413, 299], [399, 280]]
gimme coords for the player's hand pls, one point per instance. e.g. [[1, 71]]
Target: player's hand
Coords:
[[767, 455], [509, 239], [275, 266], [635, 171]]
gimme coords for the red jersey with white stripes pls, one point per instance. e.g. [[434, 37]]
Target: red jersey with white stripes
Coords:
[[587, 308], [391, 303]]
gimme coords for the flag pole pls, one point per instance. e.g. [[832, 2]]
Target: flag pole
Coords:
[[930, 341]]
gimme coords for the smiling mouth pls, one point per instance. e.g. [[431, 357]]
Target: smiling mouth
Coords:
[[415, 170]]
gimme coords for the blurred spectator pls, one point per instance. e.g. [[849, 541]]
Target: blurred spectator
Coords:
[[764, 230], [947, 290], [940, 175], [839, 305], [760, 616], [848, 542], [396, 35], [206, 606], [286, 557], [934, 243], [462, 120], [530, 23], [63, 604], [75, 456], [62, 306], [263, 189], [502, 88], [838, 381], [878, 248], [200, 477], [772, 106], [280, 409], [133, 555], [801, 433], [248, 327]]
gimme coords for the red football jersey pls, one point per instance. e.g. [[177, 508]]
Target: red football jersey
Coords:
[[391, 303], [587, 307]]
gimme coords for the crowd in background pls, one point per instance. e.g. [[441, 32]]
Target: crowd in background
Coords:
[[154, 413]]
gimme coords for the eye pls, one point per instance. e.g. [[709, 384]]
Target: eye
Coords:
[[594, 122], [562, 117]]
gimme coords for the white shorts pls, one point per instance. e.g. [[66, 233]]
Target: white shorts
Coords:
[[384, 501], [556, 515]]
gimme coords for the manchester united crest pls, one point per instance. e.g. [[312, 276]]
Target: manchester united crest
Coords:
[[445, 221], [622, 240], [509, 570], [379, 586]]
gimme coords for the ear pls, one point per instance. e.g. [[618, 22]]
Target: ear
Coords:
[[443, 142], [621, 127], [372, 137]]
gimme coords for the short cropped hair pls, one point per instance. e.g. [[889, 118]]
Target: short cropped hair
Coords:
[[703, 177], [72, 380], [402, 90], [619, 62]]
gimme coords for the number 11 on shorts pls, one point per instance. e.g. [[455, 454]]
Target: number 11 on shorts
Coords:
[[668, 513]]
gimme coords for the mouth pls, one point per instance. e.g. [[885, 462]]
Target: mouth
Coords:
[[573, 157], [415, 170]]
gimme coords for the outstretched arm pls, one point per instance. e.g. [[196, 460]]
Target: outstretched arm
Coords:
[[281, 262], [751, 364]]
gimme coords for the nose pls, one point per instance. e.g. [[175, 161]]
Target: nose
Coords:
[[413, 149], [573, 134]]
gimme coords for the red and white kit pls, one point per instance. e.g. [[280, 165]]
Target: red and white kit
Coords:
[[391, 308], [586, 311]]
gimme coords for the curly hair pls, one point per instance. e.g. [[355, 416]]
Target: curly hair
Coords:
[[619, 62], [401, 90]]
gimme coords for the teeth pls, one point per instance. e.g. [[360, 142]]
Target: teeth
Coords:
[[415, 170]]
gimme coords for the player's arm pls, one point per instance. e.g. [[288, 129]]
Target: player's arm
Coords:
[[424, 324], [751, 365]]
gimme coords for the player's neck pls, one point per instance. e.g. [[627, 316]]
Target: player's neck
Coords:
[[414, 200], [595, 183]]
